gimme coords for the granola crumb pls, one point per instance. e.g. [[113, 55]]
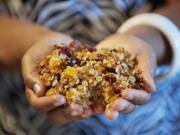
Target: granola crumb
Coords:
[[87, 76]]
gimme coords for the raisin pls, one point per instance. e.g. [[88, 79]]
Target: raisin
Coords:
[[110, 69], [100, 57], [75, 45], [73, 61], [65, 50], [110, 79], [116, 90], [91, 49]]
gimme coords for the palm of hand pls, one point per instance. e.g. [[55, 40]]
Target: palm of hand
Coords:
[[55, 105]]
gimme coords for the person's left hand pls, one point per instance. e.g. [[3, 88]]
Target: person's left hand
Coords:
[[55, 106], [146, 64]]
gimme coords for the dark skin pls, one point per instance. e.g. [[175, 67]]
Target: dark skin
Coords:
[[38, 41]]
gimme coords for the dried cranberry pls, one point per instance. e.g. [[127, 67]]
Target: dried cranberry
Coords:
[[110, 69], [73, 61], [58, 77], [78, 61], [75, 45], [110, 79], [116, 90], [91, 49], [65, 50], [138, 84], [43, 67], [124, 74], [100, 57]]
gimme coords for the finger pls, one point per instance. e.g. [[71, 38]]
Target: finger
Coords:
[[122, 105], [34, 82], [99, 109], [30, 69], [59, 115], [44, 104], [149, 83], [87, 112], [147, 66], [145, 55], [76, 109], [35, 54], [31, 77], [62, 115], [111, 114], [119, 105], [136, 96]]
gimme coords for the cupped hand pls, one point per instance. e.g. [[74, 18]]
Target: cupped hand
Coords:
[[146, 64], [55, 105]]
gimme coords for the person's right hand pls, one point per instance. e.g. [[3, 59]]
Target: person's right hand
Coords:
[[146, 59], [55, 105]]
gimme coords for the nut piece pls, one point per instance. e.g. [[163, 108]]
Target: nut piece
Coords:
[[87, 76]]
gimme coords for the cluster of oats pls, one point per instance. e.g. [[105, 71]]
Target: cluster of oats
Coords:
[[87, 76]]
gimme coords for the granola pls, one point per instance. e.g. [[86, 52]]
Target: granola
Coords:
[[87, 76]]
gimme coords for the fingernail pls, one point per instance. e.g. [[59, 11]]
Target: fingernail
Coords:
[[75, 113], [60, 101], [126, 94], [151, 88], [36, 88], [112, 115], [115, 114]]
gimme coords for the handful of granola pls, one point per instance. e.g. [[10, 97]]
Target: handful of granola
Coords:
[[87, 76]]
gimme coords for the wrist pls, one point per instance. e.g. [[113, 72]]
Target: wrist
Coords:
[[156, 40]]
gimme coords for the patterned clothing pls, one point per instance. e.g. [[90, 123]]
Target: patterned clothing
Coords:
[[89, 21]]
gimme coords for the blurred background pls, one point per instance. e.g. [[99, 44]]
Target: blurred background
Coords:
[[89, 21]]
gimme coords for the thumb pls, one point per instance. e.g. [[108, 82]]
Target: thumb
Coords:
[[35, 83], [147, 65], [31, 76], [149, 84]]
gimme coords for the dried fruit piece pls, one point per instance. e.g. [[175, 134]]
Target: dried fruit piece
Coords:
[[87, 76], [66, 51], [52, 91], [71, 71], [54, 61], [110, 78], [116, 90], [110, 69]]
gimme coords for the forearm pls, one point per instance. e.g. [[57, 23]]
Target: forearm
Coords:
[[16, 37], [154, 38]]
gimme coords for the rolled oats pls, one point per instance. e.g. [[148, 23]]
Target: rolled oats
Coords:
[[87, 76]]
